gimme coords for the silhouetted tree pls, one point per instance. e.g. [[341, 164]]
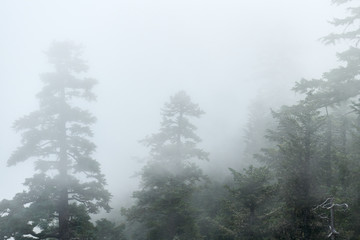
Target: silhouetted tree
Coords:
[[294, 161], [68, 180], [170, 177], [337, 93]]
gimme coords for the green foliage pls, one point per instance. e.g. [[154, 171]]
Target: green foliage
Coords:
[[294, 162], [106, 230], [208, 201], [251, 194], [337, 92]]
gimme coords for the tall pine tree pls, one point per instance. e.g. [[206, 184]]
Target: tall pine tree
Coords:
[[68, 180], [170, 177], [294, 162], [337, 93]]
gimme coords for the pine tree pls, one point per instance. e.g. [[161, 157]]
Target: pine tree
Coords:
[[170, 177], [106, 230], [258, 122], [251, 193], [341, 83], [337, 93], [294, 161], [68, 180]]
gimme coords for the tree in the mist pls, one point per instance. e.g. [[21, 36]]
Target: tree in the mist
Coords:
[[67, 184], [349, 182], [251, 193], [259, 120], [341, 83], [339, 88], [170, 177], [245, 202], [294, 161], [209, 205], [338, 92], [107, 230]]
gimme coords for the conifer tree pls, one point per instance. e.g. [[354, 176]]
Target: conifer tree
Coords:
[[244, 211], [294, 161], [106, 230], [341, 83], [170, 177], [337, 93], [68, 181]]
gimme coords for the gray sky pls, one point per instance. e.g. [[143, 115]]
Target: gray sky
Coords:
[[142, 52]]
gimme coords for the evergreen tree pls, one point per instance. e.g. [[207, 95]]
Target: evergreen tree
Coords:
[[106, 230], [170, 177], [251, 194], [342, 83], [209, 204], [294, 161], [259, 120], [337, 93], [68, 183]]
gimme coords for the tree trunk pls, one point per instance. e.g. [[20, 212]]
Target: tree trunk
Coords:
[[64, 233], [306, 185], [328, 153], [63, 207]]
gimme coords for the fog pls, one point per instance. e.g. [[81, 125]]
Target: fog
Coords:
[[224, 54]]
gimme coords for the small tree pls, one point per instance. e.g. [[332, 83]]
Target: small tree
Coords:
[[67, 180], [170, 177]]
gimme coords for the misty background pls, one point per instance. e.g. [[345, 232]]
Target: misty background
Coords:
[[224, 54]]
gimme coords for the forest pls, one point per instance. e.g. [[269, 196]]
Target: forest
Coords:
[[299, 176]]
